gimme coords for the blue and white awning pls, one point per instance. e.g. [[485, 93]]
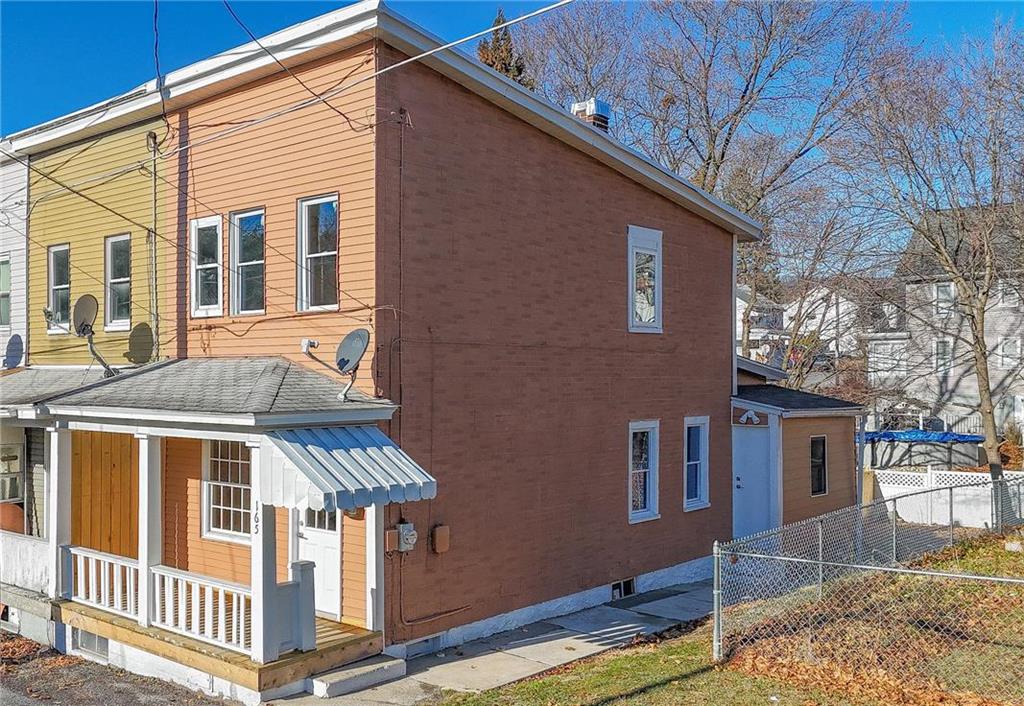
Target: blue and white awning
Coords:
[[341, 468]]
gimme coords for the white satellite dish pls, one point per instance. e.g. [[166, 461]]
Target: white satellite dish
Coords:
[[83, 316], [350, 352]]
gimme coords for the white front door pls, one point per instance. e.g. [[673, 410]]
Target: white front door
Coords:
[[319, 541], [752, 502]]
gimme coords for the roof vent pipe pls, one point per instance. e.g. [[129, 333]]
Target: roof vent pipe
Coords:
[[593, 111]]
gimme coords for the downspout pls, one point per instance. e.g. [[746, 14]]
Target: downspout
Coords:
[[862, 423], [151, 139]]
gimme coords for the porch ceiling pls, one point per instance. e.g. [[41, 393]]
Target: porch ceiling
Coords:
[[341, 468]]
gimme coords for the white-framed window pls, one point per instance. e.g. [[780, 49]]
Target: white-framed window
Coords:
[[1009, 353], [247, 261], [23, 484], [645, 268], [819, 465], [5, 291], [696, 479], [887, 360], [206, 253], [944, 297], [318, 253], [643, 470], [227, 491], [117, 254], [942, 355], [58, 281], [1009, 296]]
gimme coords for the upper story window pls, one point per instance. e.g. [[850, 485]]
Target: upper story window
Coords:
[[1009, 296], [5, 291], [695, 462], [645, 288], [1009, 353], [819, 465], [944, 297], [59, 288], [247, 255], [118, 274], [227, 489], [207, 279], [643, 470], [887, 360], [942, 353], [318, 253]]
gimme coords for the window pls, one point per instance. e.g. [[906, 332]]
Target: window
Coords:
[[226, 490], [119, 282], [1009, 353], [643, 471], [59, 283], [321, 520], [942, 352], [318, 253], [887, 360], [944, 298], [644, 280], [819, 465], [23, 484], [695, 463], [1009, 296], [207, 281], [247, 235], [90, 643], [5, 291]]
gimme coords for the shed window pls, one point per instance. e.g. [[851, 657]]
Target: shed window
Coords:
[[644, 280], [695, 463], [318, 250], [226, 490], [207, 280], [819, 465], [118, 270], [5, 291], [59, 282], [247, 274], [643, 471]]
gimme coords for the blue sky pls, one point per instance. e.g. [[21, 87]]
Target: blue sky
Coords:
[[56, 57]]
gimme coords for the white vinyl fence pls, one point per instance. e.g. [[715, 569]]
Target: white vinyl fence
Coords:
[[973, 505]]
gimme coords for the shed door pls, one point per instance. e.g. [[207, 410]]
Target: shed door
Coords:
[[751, 480], [320, 542]]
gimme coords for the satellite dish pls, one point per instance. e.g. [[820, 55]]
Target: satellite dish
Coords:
[[351, 350], [84, 315]]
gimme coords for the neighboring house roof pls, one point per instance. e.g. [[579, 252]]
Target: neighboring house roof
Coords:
[[954, 230], [345, 28], [792, 400], [768, 372], [28, 386], [743, 293]]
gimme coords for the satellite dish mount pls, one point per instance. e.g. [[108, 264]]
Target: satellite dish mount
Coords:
[[82, 318], [350, 352]]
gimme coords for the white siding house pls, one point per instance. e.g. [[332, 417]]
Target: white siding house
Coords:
[[13, 209]]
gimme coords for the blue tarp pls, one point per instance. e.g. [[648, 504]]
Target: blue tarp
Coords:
[[924, 437]]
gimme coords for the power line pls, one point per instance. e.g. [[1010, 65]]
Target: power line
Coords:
[[156, 65]]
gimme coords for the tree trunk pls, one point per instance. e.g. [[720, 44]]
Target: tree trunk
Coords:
[[986, 408], [745, 326]]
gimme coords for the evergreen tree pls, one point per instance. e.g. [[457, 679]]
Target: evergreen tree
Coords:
[[499, 52]]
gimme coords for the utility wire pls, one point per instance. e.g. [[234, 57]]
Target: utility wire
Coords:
[[156, 65]]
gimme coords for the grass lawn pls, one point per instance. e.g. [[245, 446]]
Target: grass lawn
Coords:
[[673, 672]]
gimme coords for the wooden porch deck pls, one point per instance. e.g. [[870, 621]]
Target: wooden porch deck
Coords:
[[337, 644]]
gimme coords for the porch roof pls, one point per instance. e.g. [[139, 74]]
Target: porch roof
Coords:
[[28, 386], [342, 468]]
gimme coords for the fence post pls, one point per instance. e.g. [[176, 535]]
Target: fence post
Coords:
[[821, 557], [997, 506], [952, 539], [716, 594], [895, 553]]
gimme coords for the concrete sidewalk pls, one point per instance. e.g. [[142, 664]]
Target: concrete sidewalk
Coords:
[[535, 648]]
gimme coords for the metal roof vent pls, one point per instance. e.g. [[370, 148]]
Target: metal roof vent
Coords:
[[593, 111]]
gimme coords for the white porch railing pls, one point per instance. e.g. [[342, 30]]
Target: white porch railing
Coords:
[[103, 580], [206, 609]]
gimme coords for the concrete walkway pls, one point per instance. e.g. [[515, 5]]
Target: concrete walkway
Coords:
[[517, 654]]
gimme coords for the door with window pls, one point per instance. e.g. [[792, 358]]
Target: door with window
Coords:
[[319, 541]]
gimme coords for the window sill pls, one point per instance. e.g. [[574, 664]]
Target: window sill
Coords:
[[215, 536], [255, 312], [317, 309], [646, 517], [211, 314], [58, 331], [645, 329], [117, 326], [696, 505]]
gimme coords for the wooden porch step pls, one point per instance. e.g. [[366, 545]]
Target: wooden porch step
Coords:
[[357, 676]]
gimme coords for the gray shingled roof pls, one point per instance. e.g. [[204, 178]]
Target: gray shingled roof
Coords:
[[27, 386], [788, 399], [268, 385], [956, 230]]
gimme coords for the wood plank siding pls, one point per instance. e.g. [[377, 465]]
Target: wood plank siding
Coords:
[[106, 205], [353, 571], [105, 492], [798, 503]]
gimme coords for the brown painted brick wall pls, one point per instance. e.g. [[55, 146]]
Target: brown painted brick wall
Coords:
[[513, 364]]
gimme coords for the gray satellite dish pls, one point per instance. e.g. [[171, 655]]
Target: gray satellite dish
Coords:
[[350, 351], [83, 316]]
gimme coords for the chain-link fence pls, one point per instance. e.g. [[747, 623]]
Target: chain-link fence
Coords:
[[879, 592]]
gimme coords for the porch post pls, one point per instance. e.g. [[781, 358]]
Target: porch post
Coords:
[[374, 520], [266, 643], [150, 520], [58, 517]]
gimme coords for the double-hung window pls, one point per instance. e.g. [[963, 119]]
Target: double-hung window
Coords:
[[5, 291], [944, 297], [643, 470], [207, 279], [942, 352], [59, 288], [226, 490], [1009, 353], [318, 253], [695, 464], [118, 273], [1009, 296], [644, 280], [247, 262], [23, 484], [819, 465]]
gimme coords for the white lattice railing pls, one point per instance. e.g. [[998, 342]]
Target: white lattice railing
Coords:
[[930, 478], [103, 580], [214, 611]]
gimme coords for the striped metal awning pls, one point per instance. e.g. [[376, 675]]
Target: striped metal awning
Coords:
[[341, 468]]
